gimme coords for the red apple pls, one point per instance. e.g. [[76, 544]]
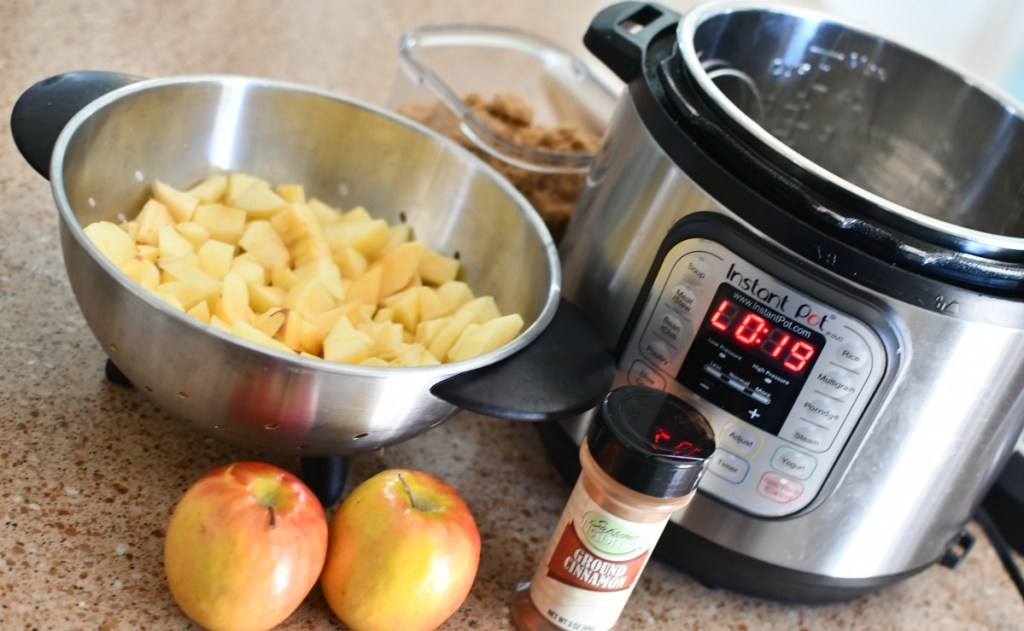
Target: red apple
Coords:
[[244, 546], [403, 553]]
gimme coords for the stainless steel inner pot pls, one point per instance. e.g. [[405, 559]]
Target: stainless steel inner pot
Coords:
[[345, 153], [925, 146]]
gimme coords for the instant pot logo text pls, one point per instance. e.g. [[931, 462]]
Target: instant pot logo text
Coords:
[[802, 312]]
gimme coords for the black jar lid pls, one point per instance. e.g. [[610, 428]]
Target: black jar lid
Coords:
[[651, 441]]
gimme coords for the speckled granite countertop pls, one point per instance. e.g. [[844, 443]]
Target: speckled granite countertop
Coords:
[[92, 470]]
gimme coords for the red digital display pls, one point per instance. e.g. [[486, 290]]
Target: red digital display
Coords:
[[753, 331]]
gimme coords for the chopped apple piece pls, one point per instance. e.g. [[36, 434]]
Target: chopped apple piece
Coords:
[[149, 252], [416, 355], [210, 190], [405, 308], [115, 244], [195, 233], [238, 183], [368, 237], [223, 222], [259, 201], [233, 303], [436, 269], [246, 266], [263, 298], [476, 311], [308, 297], [282, 276], [346, 344], [292, 193], [142, 271], [428, 330], [399, 234], [271, 322], [178, 267], [260, 239], [215, 258], [366, 288], [193, 289], [398, 267], [201, 311], [172, 244], [151, 218], [326, 271], [181, 204], [325, 213], [387, 338], [478, 339], [170, 299], [454, 294], [217, 323], [318, 325], [357, 214], [247, 331]]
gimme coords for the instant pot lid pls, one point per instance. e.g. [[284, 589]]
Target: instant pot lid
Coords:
[[921, 148]]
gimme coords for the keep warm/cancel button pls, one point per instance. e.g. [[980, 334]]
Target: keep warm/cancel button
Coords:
[[778, 488]]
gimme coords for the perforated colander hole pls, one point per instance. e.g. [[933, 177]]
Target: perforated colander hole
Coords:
[[147, 388], [271, 426], [402, 217], [183, 394], [457, 256], [114, 346], [361, 435]]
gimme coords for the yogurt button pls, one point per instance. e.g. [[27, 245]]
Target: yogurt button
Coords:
[[793, 463]]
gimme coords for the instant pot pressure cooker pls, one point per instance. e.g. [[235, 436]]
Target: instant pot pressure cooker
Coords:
[[815, 235]]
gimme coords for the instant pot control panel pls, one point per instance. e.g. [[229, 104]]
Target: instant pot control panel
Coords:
[[783, 374]]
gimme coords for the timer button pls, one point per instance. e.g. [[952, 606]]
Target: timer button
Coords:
[[640, 374], [729, 466], [740, 439], [793, 463], [852, 355], [682, 298], [838, 384]]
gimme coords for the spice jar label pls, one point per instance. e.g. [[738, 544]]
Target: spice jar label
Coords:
[[591, 566]]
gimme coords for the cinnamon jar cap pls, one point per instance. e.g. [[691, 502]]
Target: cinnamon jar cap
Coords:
[[651, 441]]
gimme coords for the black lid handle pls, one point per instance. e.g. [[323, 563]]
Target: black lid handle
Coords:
[[619, 35]]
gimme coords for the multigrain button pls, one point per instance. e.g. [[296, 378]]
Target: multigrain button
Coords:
[[740, 439], [729, 466], [641, 374], [838, 384], [793, 463]]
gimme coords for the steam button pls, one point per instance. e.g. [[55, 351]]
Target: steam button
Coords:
[[810, 437]]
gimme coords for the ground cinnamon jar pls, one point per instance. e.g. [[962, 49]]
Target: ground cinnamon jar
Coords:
[[641, 461]]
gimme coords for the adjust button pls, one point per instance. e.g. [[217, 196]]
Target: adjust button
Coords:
[[740, 439], [729, 466]]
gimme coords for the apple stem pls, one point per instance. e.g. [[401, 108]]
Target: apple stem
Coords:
[[273, 517], [408, 491]]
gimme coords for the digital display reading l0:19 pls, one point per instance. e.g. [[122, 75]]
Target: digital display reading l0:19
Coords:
[[753, 331], [749, 359]]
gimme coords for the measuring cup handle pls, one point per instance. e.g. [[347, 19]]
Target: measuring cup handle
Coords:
[[619, 35], [42, 112]]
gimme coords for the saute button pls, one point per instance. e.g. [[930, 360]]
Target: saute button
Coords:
[[641, 374], [740, 439], [778, 488], [729, 466], [794, 463]]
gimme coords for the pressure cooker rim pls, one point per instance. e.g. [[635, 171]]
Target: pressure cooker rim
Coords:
[[986, 244]]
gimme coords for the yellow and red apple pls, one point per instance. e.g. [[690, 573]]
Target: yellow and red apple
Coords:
[[245, 545], [403, 553]]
